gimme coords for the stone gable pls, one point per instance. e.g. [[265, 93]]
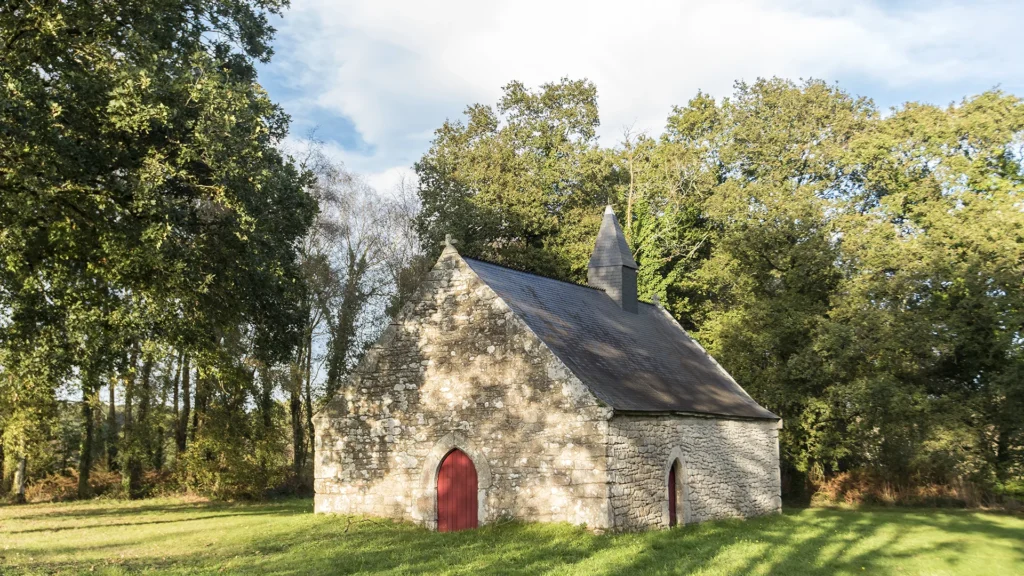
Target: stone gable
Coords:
[[459, 369]]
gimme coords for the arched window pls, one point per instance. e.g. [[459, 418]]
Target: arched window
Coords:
[[675, 478], [456, 493], [675, 487]]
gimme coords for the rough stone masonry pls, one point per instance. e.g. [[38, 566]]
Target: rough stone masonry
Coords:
[[459, 368]]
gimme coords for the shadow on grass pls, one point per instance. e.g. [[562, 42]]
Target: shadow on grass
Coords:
[[283, 538], [833, 542], [122, 507], [143, 522]]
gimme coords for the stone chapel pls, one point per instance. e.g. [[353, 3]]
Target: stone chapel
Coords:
[[497, 393]]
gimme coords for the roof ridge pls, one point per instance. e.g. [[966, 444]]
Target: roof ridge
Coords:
[[514, 269]]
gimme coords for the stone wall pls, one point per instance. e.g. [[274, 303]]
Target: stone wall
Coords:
[[458, 370], [728, 468]]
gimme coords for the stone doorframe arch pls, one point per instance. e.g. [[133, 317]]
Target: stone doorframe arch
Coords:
[[681, 480], [427, 503]]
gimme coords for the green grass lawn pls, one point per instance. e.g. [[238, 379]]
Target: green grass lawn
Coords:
[[177, 536]]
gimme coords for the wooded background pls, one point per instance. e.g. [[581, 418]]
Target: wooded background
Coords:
[[178, 295]]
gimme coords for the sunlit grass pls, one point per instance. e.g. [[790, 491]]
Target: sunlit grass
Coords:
[[178, 536]]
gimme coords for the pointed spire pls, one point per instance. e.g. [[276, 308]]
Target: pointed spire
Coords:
[[612, 267], [611, 248]]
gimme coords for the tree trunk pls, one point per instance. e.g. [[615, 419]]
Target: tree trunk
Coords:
[[627, 223], [1003, 453], [180, 433], [136, 433], [3, 476], [343, 331], [295, 407], [295, 410], [267, 400], [197, 395], [311, 435], [158, 449], [128, 447], [19, 480], [112, 429], [157, 454], [145, 395], [85, 451], [198, 407], [177, 382]]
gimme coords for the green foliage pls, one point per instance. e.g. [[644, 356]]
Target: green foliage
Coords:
[[232, 459], [516, 183], [144, 203], [140, 174], [233, 451], [860, 274]]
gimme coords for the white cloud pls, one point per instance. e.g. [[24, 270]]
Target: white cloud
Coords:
[[398, 69], [389, 180], [385, 181]]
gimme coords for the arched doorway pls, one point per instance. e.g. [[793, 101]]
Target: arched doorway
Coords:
[[674, 492], [456, 493]]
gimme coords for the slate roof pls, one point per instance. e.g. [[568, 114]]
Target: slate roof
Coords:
[[642, 362]]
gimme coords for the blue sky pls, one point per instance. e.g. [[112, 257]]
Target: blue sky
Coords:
[[376, 78]]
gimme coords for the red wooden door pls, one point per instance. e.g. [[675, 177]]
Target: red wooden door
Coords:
[[456, 493], [672, 496]]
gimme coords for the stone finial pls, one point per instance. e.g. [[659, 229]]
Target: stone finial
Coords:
[[655, 300], [449, 242]]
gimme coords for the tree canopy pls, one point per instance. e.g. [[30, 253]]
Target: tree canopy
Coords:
[[145, 202], [860, 272]]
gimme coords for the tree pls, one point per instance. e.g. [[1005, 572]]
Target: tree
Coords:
[[932, 289], [141, 179], [518, 185], [858, 273]]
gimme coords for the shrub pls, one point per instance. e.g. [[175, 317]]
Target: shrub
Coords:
[[64, 486], [233, 457], [865, 487]]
